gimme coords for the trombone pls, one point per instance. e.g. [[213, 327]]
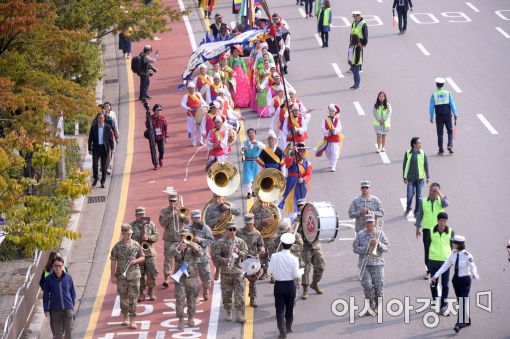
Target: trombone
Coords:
[[128, 264], [371, 251], [187, 239]]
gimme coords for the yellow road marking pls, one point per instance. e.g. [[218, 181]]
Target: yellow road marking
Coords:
[[105, 278]]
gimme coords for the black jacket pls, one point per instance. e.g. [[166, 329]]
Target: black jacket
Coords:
[[407, 4], [107, 138]]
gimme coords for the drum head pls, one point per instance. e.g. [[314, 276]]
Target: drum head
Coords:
[[251, 266], [319, 222], [310, 222]]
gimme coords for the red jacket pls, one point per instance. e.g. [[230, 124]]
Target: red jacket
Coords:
[[159, 127]]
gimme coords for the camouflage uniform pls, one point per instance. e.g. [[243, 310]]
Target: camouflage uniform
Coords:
[[255, 244], [372, 203], [373, 276], [148, 268], [206, 238], [187, 286], [311, 255], [261, 217], [167, 219], [231, 280], [128, 286]]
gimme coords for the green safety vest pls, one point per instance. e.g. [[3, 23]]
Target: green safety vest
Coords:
[[325, 18], [381, 112], [430, 211], [440, 247], [421, 164], [357, 29], [318, 6], [354, 57], [441, 97]]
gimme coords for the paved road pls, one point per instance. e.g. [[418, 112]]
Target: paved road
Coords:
[[474, 55]]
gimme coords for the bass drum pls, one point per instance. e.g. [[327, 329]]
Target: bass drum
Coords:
[[319, 222], [200, 114]]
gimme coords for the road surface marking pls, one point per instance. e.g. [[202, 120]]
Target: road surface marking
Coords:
[[337, 70], [470, 5], [379, 1], [410, 216], [348, 220], [422, 49], [346, 239], [384, 156], [505, 34], [346, 225], [358, 107], [454, 85], [318, 38], [215, 311], [105, 278], [188, 28], [487, 124], [302, 12]]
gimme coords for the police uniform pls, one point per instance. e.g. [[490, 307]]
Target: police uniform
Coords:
[[253, 240], [443, 106], [148, 269], [232, 280], [284, 268], [172, 223], [205, 238], [464, 270], [128, 285], [187, 287], [358, 204], [297, 246], [372, 279]]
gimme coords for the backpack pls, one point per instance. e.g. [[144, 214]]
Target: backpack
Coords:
[[136, 64]]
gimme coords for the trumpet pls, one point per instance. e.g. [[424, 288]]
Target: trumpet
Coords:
[[186, 239], [128, 264]]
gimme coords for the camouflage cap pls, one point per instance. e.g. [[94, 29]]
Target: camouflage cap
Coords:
[[172, 196], [140, 210], [126, 228], [369, 217], [249, 218]]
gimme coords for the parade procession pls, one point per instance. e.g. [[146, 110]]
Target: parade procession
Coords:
[[243, 194]]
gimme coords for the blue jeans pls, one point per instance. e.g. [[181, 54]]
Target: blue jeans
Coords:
[[413, 186], [355, 71]]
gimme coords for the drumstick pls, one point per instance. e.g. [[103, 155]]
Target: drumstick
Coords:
[[189, 161]]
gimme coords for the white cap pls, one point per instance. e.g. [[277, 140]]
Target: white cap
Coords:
[[440, 80], [279, 88], [271, 134], [276, 75], [264, 45], [356, 13], [216, 104], [288, 238], [203, 66], [218, 118], [458, 238], [196, 214], [292, 91], [191, 85], [217, 76], [295, 107], [335, 108]]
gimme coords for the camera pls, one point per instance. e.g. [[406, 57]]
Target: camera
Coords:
[[152, 70], [146, 220]]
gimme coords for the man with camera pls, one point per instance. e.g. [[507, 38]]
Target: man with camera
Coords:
[[147, 69]]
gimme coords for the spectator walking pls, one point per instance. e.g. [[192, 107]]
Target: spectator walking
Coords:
[[100, 143], [324, 23], [415, 172], [160, 132], [382, 120], [402, 6]]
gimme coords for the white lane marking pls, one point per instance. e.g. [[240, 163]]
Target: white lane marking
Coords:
[[487, 124], [318, 38], [156, 38], [454, 85], [470, 5], [116, 307], [345, 239], [188, 28], [505, 34], [346, 225], [337, 70], [302, 12], [348, 220], [410, 216], [358, 107], [422, 49], [379, 1], [215, 311], [384, 156]]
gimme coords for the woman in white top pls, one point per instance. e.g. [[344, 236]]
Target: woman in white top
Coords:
[[382, 120]]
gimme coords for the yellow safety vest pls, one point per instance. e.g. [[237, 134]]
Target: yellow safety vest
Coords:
[[440, 247]]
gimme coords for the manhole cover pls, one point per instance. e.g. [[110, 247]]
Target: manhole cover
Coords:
[[96, 199], [111, 81]]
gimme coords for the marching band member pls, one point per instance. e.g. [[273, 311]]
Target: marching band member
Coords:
[[202, 80], [172, 223], [242, 94], [253, 240], [276, 102], [366, 203], [191, 102], [464, 270], [251, 150], [331, 129], [186, 255], [212, 91], [217, 142], [203, 237], [228, 254], [295, 127], [298, 178], [372, 277], [284, 268], [263, 216], [146, 233], [271, 155]]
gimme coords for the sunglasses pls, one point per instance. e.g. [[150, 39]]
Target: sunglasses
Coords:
[[365, 187], [232, 229]]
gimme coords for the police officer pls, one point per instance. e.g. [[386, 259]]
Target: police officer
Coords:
[[228, 254], [253, 240], [312, 257], [126, 256], [359, 28], [464, 270], [203, 237], [365, 204], [284, 267], [296, 248], [372, 266], [146, 233], [442, 107], [426, 218], [440, 249], [172, 222], [186, 255]]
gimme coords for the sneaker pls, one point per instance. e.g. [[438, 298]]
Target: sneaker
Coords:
[[440, 152], [353, 87], [450, 149], [406, 213], [443, 312], [378, 150], [348, 71], [427, 276], [333, 169], [383, 149]]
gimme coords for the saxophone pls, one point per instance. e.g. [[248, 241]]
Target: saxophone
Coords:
[[146, 245], [232, 257]]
